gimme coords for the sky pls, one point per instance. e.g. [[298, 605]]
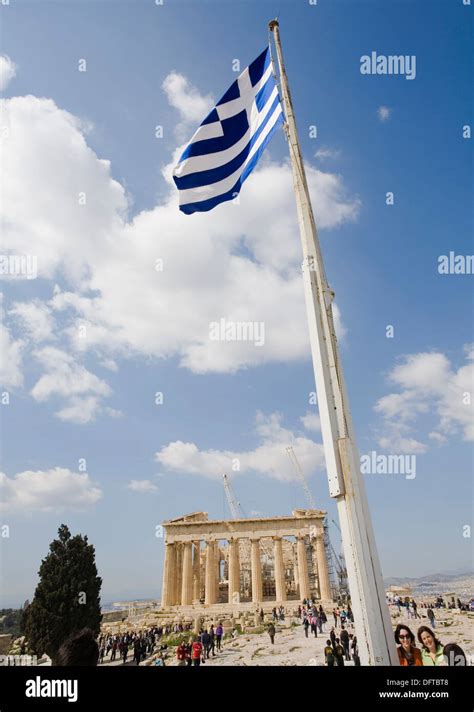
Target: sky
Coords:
[[117, 409]]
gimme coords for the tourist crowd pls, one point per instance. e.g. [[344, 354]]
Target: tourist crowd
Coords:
[[137, 646]]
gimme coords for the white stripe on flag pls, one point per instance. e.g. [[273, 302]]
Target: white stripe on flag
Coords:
[[193, 195]]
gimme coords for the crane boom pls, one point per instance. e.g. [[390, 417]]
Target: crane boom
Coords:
[[301, 477], [233, 504]]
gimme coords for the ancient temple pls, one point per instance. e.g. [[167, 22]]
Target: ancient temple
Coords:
[[269, 560]]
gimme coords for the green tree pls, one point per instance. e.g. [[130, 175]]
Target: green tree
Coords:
[[67, 597]]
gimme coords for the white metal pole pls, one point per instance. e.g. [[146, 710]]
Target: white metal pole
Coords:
[[371, 616]]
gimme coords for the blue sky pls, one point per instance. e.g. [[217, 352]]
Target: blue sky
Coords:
[[145, 334]]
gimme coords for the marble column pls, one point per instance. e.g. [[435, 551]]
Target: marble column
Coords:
[[169, 573], [210, 582], [187, 577], [323, 573], [217, 559], [303, 568], [296, 571], [234, 571], [196, 571], [256, 563], [179, 573], [279, 570]]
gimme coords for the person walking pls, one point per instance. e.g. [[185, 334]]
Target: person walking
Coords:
[[431, 616], [212, 641], [271, 633], [355, 652], [345, 640], [306, 625], [189, 653], [219, 634], [329, 654], [339, 653], [181, 654], [196, 653], [137, 651], [206, 643]]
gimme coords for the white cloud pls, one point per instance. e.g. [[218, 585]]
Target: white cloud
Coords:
[[35, 318], [311, 421], [65, 377], [437, 437], [51, 490], [429, 384], [7, 71], [142, 486], [323, 153], [238, 262], [80, 410], [49, 166], [384, 113], [109, 364], [269, 458], [11, 355], [183, 96]]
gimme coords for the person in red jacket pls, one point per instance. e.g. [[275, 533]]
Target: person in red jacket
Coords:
[[181, 654], [196, 653]]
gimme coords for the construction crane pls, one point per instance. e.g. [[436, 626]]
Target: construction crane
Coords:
[[238, 513], [235, 508], [330, 553], [301, 477]]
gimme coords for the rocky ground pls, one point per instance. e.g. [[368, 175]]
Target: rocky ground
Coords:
[[293, 648]]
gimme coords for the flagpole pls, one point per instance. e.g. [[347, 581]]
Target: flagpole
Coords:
[[371, 616]]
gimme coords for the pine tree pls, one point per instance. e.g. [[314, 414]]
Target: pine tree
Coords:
[[67, 597]]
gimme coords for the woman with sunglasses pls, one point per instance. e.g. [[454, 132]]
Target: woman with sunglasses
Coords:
[[408, 653]]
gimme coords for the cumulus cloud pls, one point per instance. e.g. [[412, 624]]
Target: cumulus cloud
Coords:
[[7, 71], [35, 319], [191, 105], [428, 383], [269, 458], [63, 376], [142, 486], [150, 286], [45, 491], [11, 355], [311, 421]]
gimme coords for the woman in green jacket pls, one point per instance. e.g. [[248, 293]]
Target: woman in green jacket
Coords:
[[432, 650]]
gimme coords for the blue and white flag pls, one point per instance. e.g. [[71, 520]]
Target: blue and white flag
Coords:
[[227, 145]]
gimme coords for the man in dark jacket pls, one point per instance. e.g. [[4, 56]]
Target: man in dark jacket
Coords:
[[345, 641]]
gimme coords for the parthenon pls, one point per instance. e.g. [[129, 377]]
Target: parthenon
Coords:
[[245, 561]]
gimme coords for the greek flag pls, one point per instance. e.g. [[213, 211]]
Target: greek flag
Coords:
[[227, 145]]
